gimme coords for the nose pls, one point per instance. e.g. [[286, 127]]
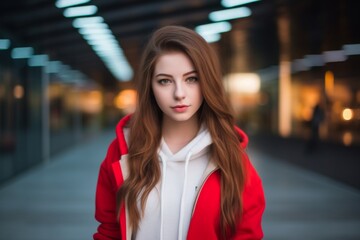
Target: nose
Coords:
[[179, 92]]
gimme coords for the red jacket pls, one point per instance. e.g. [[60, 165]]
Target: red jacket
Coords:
[[205, 220]]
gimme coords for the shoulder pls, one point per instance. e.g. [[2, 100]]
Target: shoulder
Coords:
[[113, 152]]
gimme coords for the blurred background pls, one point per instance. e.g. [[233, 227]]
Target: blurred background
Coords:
[[291, 69]]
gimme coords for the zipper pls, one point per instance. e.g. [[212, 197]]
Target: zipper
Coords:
[[201, 187]]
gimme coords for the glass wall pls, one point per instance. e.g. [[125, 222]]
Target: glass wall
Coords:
[[20, 115], [42, 112]]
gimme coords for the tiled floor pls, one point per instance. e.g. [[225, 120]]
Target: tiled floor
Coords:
[[304, 205], [56, 200]]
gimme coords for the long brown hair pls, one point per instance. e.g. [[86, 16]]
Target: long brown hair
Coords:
[[215, 112]]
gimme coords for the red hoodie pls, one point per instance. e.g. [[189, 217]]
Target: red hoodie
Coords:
[[205, 220]]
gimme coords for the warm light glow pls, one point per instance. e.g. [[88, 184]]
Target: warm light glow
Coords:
[[91, 102], [329, 83], [347, 138], [304, 98], [18, 91], [347, 114], [285, 99], [126, 100], [242, 83]]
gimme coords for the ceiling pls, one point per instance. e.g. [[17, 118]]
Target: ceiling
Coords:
[[40, 24]]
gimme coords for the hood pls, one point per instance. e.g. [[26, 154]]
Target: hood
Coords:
[[120, 136], [197, 147], [244, 140]]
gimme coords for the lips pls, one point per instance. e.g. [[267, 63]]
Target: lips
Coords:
[[180, 108]]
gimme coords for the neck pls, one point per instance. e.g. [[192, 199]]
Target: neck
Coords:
[[178, 134]]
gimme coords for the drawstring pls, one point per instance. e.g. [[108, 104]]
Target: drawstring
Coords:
[[163, 160], [183, 198]]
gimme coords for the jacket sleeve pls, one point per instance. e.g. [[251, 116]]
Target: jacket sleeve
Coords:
[[253, 207], [105, 212]]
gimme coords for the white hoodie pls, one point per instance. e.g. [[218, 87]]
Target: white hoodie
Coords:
[[169, 205]]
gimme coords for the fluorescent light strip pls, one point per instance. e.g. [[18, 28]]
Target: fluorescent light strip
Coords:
[[53, 66], [84, 21], [22, 52], [213, 28], [38, 60], [4, 44], [95, 31], [69, 3], [80, 11], [210, 38], [314, 60], [352, 49], [99, 36], [229, 14], [233, 3], [334, 56], [95, 25]]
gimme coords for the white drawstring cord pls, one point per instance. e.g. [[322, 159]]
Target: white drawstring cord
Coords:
[[183, 197], [163, 160]]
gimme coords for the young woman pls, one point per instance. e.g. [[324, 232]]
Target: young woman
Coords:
[[178, 168]]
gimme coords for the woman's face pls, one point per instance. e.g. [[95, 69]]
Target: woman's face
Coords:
[[176, 87]]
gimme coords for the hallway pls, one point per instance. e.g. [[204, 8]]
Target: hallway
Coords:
[[56, 200]]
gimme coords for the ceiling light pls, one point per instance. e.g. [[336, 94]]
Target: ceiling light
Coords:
[[213, 28], [53, 67], [68, 3], [22, 52], [352, 49], [233, 3], [95, 25], [38, 60], [4, 44], [228, 14], [94, 31], [80, 11], [99, 36], [102, 41], [84, 21], [315, 60], [210, 38], [334, 56]]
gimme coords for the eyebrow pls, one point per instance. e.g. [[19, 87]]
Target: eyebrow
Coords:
[[168, 75]]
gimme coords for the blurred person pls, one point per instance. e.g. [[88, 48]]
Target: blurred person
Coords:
[[316, 119], [178, 167]]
